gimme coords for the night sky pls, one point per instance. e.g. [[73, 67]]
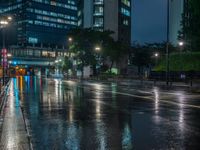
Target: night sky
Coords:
[[149, 21]]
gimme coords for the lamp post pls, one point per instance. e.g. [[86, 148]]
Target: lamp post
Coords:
[[156, 55], [98, 49], [167, 47], [3, 23], [71, 59], [70, 39], [181, 44]]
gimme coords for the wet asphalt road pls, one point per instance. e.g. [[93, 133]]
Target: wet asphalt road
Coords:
[[69, 115]]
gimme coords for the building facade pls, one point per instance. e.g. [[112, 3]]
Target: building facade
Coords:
[[39, 23], [114, 15], [176, 10]]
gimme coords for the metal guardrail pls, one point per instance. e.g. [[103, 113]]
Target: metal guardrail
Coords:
[[4, 94]]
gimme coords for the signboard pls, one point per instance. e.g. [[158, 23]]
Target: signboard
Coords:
[[4, 59]]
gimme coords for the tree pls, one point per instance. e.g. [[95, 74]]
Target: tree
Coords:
[[115, 51], [67, 64], [83, 47], [85, 41]]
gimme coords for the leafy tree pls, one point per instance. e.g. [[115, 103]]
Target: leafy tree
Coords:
[[115, 51], [67, 64], [85, 41], [141, 57]]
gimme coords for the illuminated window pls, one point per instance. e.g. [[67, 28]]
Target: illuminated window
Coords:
[[126, 2], [125, 12]]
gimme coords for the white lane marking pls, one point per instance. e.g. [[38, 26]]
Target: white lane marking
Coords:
[[153, 99], [146, 97]]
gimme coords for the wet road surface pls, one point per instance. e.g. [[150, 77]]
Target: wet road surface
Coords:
[[106, 116], [13, 135]]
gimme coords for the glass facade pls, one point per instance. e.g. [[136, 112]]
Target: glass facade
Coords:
[[43, 22], [98, 15], [114, 15]]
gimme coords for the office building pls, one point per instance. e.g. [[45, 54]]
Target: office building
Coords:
[[39, 23], [114, 15], [176, 10]]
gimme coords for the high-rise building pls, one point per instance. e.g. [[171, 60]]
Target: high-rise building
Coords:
[[114, 15], [176, 10], [40, 22]]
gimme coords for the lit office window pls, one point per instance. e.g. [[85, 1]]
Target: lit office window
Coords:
[[98, 10], [98, 22], [126, 2], [125, 12], [125, 22]]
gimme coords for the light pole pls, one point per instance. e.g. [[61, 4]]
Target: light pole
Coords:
[[98, 49], [156, 55], [181, 44], [71, 59], [4, 22], [167, 47], [70, 39]]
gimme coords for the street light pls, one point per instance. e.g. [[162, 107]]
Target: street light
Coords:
[[97, 49], [156, 54], [181, 44], [3, 23], [167, 47], [98, 57], [70, 39]]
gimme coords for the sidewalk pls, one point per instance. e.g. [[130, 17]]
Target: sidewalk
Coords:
[[13, 132]]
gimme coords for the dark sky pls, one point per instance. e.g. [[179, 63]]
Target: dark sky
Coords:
[[149, 21]]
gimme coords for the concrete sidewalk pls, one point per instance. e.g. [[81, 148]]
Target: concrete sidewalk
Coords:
[[13, 131]]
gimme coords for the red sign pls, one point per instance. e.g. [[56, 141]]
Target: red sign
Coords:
[[4, 60]]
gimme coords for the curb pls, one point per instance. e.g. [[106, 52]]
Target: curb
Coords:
[[3, 96]]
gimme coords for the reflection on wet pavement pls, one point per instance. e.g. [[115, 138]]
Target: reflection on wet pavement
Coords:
[[13, 135], [104, 116]]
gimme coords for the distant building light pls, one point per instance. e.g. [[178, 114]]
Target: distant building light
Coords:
[[9, 55], [9, 18], [32, 40], [3, 22]]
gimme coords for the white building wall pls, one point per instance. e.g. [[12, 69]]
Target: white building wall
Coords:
[[175, 17]]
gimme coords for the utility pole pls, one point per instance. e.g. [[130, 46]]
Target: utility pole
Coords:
[[167, 47]]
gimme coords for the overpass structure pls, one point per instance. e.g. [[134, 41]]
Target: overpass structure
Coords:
[[38, 58]]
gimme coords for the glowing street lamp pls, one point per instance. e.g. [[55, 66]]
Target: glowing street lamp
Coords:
[[156, 54], [97, 49], [181, 43], [70, 39]]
